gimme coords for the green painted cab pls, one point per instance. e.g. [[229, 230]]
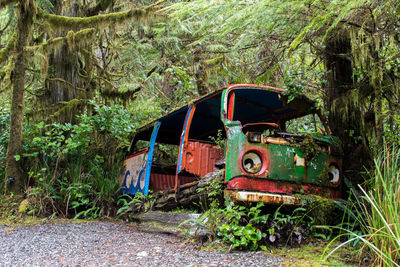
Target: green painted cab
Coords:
[[276, 147]]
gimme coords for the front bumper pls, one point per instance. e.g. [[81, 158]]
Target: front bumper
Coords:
[[265, 197]]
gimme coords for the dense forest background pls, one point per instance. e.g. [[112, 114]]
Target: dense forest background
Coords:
[[77, 77]]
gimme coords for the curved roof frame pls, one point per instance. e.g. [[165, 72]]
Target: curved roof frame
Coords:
[[253, 103]]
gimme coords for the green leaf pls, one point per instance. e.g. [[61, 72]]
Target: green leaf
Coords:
[[75, 204]]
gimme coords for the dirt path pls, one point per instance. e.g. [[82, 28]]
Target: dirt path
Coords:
[[110, 244]]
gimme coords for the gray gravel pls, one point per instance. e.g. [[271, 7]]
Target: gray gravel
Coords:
[[109, 244]]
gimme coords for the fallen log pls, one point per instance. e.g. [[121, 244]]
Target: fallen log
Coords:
[[190, 193]]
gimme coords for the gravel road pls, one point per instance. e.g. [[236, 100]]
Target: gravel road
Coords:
[[110, 244]]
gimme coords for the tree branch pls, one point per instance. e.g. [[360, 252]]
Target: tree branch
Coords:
[[4, 3], [80, 35], [76, 23], [5, 52], [5, 27]]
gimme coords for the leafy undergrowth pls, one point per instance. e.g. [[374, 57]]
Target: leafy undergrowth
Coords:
[[13, 213], [300, 235]]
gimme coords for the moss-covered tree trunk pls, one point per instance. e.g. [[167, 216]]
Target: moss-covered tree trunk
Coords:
[[345, 115], [63, 73], [69, 71], [14, 176], [62, 80]]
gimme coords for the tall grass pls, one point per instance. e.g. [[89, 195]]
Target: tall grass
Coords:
[[379, 211], [381, 208]]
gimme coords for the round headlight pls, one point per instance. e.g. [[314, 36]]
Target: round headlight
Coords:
[[252, 162], [334, 174]]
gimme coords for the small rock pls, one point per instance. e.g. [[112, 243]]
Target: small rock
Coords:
[[142, 254]]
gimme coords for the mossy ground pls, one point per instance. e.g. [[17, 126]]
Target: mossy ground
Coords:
[[13, 213], [313, 254]]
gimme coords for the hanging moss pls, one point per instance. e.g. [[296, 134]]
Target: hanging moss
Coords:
[[72, 39], [6, 74], [4, 3], [74, 23], [6, 51], [111, 92], [80, 36], [214, 61], [67, 110]]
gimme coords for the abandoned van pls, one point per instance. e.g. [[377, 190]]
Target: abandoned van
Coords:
[[276, 147]]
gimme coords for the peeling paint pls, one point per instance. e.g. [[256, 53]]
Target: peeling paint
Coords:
[[282, 164]]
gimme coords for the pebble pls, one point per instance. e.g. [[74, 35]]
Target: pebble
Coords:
[[111, 244], [142, 254]]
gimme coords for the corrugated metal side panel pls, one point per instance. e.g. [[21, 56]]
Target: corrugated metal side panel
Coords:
[[200, 158], [160, 181]]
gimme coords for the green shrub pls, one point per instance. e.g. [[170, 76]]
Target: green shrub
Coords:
[[131, 204], [74, 168], [258, 226], [239, 226]]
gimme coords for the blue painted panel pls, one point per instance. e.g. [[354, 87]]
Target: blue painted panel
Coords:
[[136, 177], [150, 158], [185, 124], [133, 176]]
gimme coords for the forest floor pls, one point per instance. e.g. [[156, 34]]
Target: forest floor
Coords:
[[108, 243]]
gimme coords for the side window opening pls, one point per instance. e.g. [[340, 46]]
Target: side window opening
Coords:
[[310, 123], [164, 157], [265, 129], [140, 145]]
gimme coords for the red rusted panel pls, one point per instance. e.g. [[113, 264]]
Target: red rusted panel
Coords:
[[200, 158], [231, 105], [160, 181], [263, 185]]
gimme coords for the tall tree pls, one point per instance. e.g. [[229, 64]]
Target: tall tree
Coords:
[[28, 16], [26, 12]]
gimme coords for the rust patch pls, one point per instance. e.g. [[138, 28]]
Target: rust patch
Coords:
[[274, 140]]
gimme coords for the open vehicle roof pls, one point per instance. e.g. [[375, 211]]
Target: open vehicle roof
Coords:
[[253, 103]]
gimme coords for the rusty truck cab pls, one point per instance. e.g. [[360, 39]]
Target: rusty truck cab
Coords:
[[264, 161]]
